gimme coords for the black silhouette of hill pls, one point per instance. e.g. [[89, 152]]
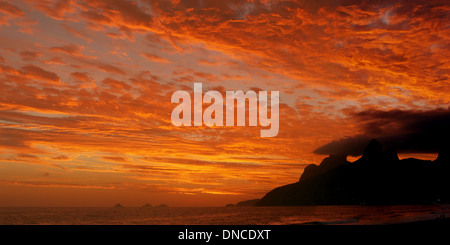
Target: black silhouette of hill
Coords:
[[377, 178], [251, 202]]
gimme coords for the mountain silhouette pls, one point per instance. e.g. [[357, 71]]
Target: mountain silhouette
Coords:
[[378, 177], [251, 202]]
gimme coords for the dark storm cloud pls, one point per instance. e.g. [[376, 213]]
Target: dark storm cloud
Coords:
[[407, 131]]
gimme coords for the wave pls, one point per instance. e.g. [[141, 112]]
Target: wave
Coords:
[[353, 220]]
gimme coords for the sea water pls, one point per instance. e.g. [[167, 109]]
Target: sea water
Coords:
[[338, 215]]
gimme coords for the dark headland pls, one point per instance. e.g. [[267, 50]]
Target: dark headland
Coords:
[[377, 178], [251, 202]]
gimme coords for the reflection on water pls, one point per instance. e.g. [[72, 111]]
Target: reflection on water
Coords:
[[353, 215]]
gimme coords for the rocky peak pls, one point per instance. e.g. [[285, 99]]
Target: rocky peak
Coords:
[[444, 156], [390, 155], [373, 152], [328, 163], [333, 161]]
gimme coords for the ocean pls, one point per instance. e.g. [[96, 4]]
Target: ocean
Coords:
[[333, 215]]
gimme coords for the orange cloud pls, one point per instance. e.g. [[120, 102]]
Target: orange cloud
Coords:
[[116, 159], [55, 185], [70, 49], [155, 58], [30, 55], [57, 9], [82, 76], [35, 72], [10, 9]]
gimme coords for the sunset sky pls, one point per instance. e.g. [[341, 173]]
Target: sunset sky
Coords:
[[85, 102]]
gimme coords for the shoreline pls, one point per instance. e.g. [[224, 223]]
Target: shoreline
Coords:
[[431, 222]]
